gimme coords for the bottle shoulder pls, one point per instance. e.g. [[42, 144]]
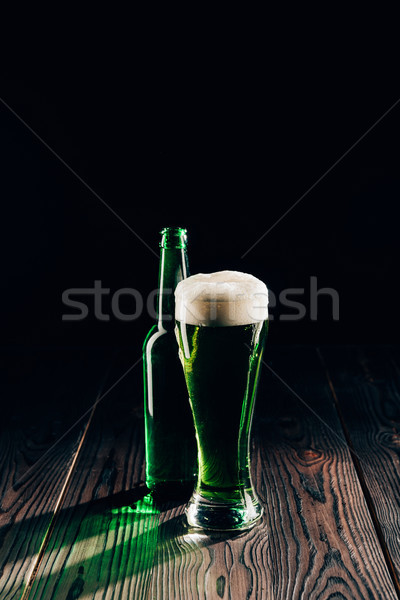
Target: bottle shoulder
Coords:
[[159, 336]]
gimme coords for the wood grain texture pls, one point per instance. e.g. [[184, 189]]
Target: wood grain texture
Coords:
[[367, 388], [316, 541], [43, 394], [105, 536], [324, 525]]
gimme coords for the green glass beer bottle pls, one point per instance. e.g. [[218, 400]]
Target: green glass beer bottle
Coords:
[[171, 462]]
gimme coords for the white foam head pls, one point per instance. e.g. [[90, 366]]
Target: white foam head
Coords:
[[220, 299]]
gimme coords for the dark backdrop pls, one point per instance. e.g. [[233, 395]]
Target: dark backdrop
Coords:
[[220, 137]]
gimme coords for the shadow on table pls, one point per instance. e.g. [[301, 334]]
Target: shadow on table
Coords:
[[111, 541]]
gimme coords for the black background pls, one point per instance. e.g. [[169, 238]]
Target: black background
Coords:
[[219, 128]]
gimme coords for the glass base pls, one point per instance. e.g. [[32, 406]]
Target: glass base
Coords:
[[223, 516]]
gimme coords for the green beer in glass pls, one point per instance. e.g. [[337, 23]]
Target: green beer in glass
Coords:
[[221, 326]]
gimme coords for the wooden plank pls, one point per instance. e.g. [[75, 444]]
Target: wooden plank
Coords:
[[44, 392], [317, 539], [366, 384], [105, 536]]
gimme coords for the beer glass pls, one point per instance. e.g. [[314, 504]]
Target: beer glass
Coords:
[[221, 325]]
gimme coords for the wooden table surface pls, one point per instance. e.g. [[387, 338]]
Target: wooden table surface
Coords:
[[76, 520]]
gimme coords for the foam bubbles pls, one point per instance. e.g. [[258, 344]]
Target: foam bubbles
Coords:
[[221, 299]]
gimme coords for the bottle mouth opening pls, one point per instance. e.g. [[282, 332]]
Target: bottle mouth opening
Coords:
[[173, 237]]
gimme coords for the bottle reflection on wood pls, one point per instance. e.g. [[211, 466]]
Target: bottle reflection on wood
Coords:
[[77, 586], [171, 462]]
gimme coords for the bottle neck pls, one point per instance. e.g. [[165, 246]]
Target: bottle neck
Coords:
[[173, 268]]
